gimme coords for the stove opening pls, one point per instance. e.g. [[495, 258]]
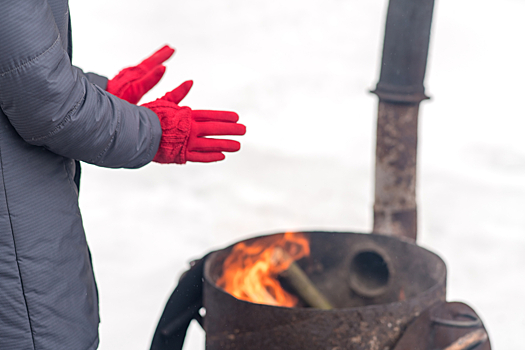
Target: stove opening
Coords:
[[369, 274]]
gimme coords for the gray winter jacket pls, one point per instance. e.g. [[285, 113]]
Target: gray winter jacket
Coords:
[[52, 114]]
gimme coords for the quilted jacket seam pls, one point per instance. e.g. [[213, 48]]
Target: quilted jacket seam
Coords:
[[16, 252], [57, 41]]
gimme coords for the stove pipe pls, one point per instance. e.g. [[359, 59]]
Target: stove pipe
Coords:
[[400, 90]]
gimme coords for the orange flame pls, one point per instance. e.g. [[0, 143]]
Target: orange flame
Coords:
[[250, 271]]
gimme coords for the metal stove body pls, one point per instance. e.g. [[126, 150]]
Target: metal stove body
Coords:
[[373, 306]]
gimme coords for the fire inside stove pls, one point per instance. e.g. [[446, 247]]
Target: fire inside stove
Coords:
[[251, 271]]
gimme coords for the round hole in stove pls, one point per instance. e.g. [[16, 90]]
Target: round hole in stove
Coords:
[[369, 274]]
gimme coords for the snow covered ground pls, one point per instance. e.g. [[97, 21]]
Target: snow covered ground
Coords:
[[298, 72]]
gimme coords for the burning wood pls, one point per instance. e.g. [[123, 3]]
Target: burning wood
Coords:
[[300, 282], [251, 272]]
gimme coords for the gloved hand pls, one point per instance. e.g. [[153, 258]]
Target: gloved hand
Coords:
[[133, 82], [184, 130]]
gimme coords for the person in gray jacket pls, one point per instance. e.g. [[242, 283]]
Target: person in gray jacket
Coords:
[[53, 115]]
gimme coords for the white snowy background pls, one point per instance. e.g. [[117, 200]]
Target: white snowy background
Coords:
[[298, 73]]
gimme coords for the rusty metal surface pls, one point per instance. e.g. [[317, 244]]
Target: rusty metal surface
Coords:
[[416, 281], [400, 90], [395, 209], [447, 326]]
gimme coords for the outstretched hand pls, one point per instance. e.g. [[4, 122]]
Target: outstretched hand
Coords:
[[132, 83], [185, 131]]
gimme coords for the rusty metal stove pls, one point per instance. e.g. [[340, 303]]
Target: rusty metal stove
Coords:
[[388, 294], [377, 284]]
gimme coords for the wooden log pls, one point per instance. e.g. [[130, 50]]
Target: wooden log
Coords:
[[469, 340], [301, 284]]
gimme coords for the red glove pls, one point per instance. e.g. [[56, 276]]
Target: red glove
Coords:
[[184, 130], [133, 82]]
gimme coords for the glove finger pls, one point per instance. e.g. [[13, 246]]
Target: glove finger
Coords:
[[220, 116], [157, 58], [147, 82], [177, 94], [218, 128], [204, 157], [201, 144]]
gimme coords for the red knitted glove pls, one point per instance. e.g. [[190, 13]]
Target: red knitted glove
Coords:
[[184, 130], [133, 82]]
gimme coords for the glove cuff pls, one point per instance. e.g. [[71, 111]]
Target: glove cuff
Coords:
[[175, 122]]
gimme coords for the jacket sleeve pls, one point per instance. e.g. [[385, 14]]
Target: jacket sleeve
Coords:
[[52, 104], [94, 78]]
